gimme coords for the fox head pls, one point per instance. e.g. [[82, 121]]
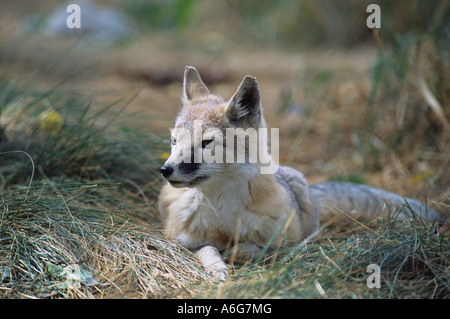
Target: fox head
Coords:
[[213, 138]]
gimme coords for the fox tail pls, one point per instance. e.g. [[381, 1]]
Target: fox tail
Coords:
[[364, 202]]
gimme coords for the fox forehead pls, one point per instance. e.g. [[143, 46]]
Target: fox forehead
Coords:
[[210, 111]]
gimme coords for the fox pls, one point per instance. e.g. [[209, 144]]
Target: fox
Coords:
[[232, 209]]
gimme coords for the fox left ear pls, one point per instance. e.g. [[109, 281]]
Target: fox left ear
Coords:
[[193, 86], [244, 109]]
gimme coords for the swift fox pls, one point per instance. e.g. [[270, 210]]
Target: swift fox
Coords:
[[218, 201]]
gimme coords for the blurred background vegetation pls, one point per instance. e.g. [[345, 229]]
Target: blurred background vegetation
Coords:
[[84, 118], [289, 23]]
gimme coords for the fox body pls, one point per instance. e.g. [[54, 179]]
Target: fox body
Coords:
[[228, 206]]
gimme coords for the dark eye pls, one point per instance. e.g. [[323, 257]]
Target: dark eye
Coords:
[[206, 142], [174, 141]]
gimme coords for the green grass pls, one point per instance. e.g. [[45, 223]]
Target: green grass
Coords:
[[85, 142]]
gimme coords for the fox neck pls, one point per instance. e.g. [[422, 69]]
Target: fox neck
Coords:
[[232, 187]]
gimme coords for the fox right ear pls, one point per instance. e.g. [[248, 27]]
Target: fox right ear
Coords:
[[193, 86], [244, 108]]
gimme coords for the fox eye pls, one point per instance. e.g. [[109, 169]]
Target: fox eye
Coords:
[[174, 141], [206, 142]]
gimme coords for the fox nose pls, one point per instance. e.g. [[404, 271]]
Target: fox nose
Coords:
[[166, 170]]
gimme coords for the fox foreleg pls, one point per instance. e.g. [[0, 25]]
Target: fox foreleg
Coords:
[[211, 259]]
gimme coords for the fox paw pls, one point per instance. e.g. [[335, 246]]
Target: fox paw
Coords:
[[218, 271]]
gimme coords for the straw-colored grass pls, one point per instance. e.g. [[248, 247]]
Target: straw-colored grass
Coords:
[[72, 240], [413, 263]]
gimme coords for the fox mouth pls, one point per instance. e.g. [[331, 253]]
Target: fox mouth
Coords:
[[190, 183]]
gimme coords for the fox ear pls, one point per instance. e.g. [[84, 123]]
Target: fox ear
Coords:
[[193, 86], [244, 109]]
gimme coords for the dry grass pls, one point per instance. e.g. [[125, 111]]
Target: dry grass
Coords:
[[72, 240], [413, 264]]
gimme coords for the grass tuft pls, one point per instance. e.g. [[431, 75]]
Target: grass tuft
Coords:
[[71, 240], [413, 263]]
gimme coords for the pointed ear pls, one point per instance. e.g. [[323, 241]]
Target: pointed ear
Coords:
[[244, 109], [193, 86]]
